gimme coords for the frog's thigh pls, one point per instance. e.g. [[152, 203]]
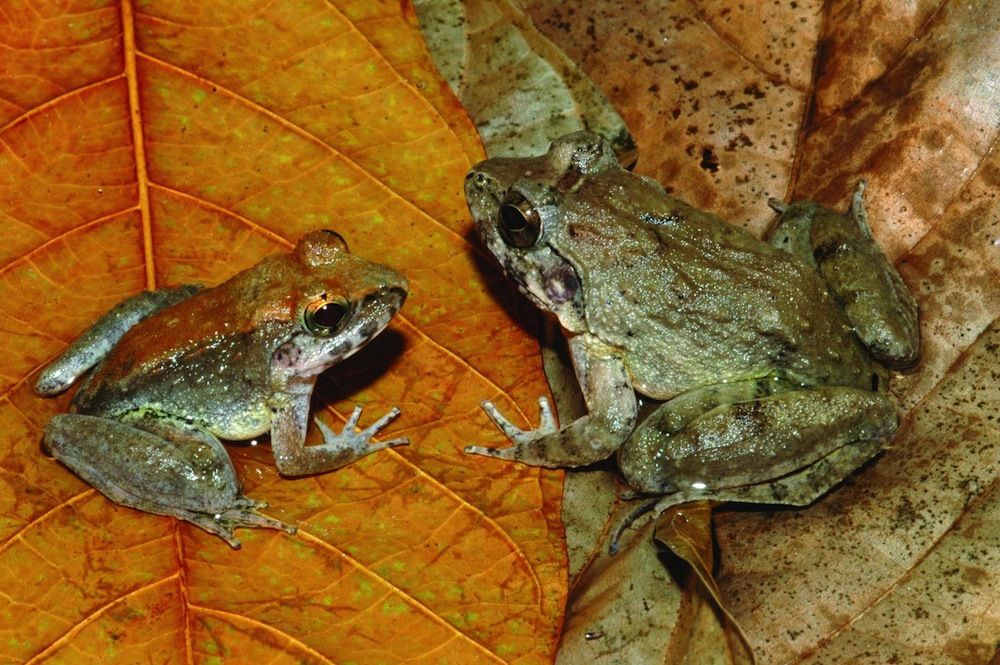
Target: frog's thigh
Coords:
[[753, 442], [171, 475], [806, 485]]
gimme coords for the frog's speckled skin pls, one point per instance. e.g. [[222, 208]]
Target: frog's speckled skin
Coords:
[[178, 369], [765, 352]]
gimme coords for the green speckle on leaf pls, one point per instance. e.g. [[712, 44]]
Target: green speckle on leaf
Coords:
[[394, 607], [504, 649], [364, 589]]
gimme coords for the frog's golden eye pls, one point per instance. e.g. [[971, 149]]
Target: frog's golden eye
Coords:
[[518, 221], [322, 317]]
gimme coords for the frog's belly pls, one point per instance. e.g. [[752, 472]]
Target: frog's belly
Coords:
[[228, 414], [243, 425]]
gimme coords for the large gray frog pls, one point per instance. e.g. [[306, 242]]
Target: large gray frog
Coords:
[[178, 369], [771, 356]]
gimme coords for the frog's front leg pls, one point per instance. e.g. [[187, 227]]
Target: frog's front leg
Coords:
[[861, 278], [769, 430], [95, 342], [611, 407], [158, 464], [288, 438]]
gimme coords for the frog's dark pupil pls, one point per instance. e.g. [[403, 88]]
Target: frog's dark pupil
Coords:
[[329, 315], [518, 221], [513, 220]]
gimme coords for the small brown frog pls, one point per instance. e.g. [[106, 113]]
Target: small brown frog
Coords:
[[178, 369]]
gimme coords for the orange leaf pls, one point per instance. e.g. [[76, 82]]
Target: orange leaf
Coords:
[[149, 144]]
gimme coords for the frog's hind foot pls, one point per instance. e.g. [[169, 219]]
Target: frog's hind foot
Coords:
[[657, 506], [242, 514], [628, 521]]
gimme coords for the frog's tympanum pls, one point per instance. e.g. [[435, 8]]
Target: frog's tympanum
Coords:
[[771, 356], [178, 369]]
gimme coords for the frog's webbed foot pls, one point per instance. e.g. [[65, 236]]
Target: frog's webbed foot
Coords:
[[242, 514], [522, 438]]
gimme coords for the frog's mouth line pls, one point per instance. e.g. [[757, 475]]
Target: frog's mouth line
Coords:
[[379, 308]]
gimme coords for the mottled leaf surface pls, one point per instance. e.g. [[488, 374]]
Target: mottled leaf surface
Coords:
[[733, 102], [145, 144], [520, 89]]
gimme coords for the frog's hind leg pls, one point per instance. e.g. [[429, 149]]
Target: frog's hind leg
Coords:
[[702, 444], [94, 344], [859, 276], [799, 488], [157, 464]]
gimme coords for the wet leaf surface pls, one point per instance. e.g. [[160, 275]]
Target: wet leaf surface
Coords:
[[150, 144]]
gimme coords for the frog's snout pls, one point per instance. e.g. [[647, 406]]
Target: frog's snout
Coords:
[[476, 178], [394, 297]]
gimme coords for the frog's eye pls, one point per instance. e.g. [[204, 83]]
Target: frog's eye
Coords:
[[518, 221], [322, 317]]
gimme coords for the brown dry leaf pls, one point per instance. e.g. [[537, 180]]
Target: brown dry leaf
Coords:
[[147, 144], [520, 89], [713, 633], [901, 563], [623, 608]]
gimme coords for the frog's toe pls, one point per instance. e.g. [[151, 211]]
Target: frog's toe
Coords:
[[374, 428], [241, 514], [515, 433], [657, 506], [777, 205], [547, 421], [214, 526], [507, 427], [392, 443], [239, 517], [501, 453]]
